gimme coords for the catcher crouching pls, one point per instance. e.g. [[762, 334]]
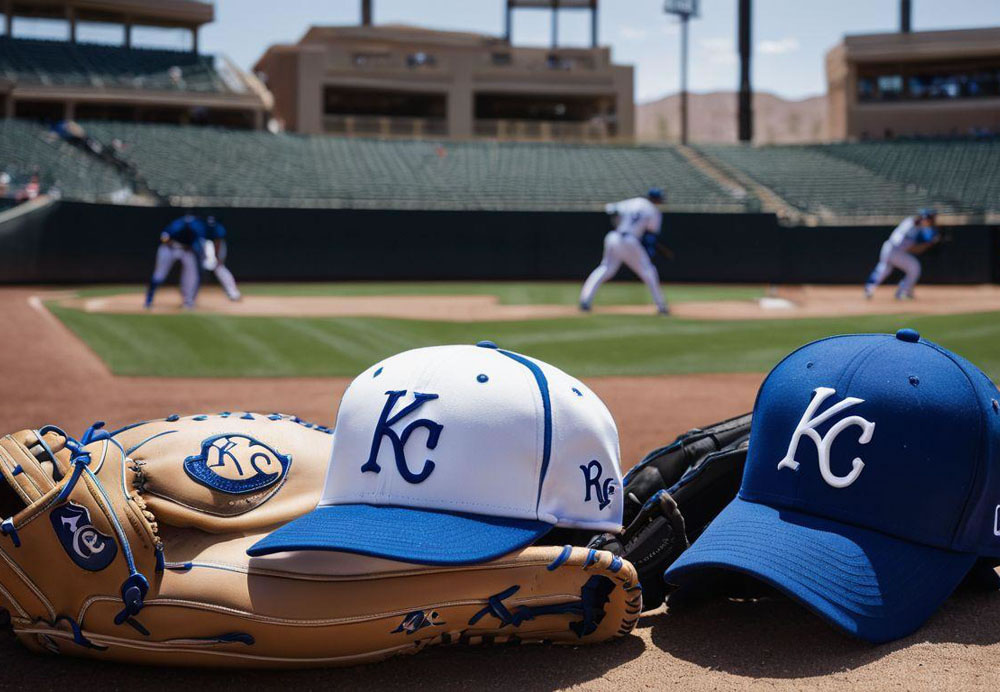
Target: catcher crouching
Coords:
[[263, 540]]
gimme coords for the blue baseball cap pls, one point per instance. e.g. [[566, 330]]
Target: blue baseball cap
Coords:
[[872, 483], [655, 194]]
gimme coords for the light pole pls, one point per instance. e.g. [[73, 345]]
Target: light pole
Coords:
[[685, 9]]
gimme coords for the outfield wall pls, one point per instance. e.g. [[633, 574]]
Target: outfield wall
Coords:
[[74, 242]]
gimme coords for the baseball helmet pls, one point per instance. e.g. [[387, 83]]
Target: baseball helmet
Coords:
[[927, 213], [656, 194]]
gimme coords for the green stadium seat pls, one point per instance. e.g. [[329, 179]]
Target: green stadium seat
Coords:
[[965, 174], [813, 180], [28, 149], [35, 61], [215, 166]]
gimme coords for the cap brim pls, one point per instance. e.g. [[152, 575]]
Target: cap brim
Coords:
[[401, 533], [871, 585]]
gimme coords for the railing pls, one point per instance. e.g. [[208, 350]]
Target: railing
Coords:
[[544, 130], [505, 129], [384, 126]]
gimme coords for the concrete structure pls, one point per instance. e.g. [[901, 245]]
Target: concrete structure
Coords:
[[932, 83], [243, 102], [406, 81], [184, 14]]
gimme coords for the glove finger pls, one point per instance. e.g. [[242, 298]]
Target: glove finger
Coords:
[[652, 542]]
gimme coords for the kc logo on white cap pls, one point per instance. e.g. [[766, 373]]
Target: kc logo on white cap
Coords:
[[460, 454]]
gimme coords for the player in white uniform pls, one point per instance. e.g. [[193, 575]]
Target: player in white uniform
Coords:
[[632, 242], [215, 235], [910, 238]]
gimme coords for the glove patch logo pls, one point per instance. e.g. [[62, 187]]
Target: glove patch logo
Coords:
[[237, 464], [418, 620], [807, 426], [85, 545], [398, 440], [603, 491]]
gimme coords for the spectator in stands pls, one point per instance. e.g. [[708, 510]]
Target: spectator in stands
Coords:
[[215, 233], [30, 191], [176, 75], [913, 236]]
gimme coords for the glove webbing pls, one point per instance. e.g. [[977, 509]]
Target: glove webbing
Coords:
[[136, 586]]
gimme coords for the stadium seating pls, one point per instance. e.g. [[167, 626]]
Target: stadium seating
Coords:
[[214, 166], [33, 61], [28, 149], [814, 181], [211, 166], [965, 173]]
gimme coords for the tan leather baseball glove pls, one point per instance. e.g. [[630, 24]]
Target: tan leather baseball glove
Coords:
[[130, 546]]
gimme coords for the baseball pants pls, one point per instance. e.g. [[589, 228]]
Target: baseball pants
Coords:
[[623, 248], [167, 254], [893, 258], [225, 277]]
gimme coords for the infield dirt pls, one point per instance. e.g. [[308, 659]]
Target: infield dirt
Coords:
[[789, 302]]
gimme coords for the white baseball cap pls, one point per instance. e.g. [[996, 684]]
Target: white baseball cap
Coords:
[[461, 454]]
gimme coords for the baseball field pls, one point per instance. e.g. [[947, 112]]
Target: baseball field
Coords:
[[94, 353]]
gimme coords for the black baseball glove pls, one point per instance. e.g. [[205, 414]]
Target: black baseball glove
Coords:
[[672, 495]]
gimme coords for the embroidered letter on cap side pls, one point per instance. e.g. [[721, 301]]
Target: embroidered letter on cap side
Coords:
[[592, 481], [384, 429], [807, 426]]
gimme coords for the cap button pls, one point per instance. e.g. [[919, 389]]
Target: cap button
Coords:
[[909, 335], [487, 344]]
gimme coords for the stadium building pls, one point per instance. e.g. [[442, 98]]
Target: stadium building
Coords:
[[71, 80], [930, 83], [413, 82]]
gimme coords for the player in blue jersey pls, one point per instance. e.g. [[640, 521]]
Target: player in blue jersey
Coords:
[[183, 240]]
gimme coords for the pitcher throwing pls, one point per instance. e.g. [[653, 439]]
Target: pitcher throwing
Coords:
[[633, 242]]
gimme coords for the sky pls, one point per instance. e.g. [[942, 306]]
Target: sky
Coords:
[[790, 37]]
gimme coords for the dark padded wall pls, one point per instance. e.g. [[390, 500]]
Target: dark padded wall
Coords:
[[78, 242]]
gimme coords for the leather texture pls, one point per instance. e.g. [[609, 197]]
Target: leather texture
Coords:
[[131, 546]]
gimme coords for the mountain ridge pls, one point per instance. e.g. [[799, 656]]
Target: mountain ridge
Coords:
[[712, 118]]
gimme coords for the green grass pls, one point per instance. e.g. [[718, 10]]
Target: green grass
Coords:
[[225, 346], [509, 293]]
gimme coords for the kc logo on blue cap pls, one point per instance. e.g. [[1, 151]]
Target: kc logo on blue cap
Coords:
[[807, 426]]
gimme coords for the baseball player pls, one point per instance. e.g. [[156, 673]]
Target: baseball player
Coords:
[[215, 235], [183, 240], [633, 242], [911, 237]]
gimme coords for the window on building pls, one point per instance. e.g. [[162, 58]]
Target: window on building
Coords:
[[959, 79], [890, 86], [420, 59], [371, 59], [532, 106], [379, 102]]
